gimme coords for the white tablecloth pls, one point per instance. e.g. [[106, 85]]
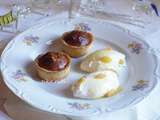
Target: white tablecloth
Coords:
[[148, 109]]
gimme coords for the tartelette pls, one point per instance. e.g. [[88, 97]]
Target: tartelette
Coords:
[[53, 66], [103, 60], [96, 85], [76, 43]]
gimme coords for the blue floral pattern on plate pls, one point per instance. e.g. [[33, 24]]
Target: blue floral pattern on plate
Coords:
[[19, 75], [141, 85], [79, 106], [29, 40], [135, 47], [83, 26]]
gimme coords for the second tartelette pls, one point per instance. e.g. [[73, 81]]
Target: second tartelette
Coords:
[[53, 66], [76, 43]]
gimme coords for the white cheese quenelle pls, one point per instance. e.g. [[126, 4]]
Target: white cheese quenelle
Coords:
[[102, 60], [96, 85]]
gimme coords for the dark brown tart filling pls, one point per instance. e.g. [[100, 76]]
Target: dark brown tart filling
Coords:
[[78, 38], [53, 61]]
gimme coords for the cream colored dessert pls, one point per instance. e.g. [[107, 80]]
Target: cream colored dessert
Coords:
[[103, 60], [96, 85]]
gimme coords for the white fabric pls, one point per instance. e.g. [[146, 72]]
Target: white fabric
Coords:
[[148, 109], [4, 116]]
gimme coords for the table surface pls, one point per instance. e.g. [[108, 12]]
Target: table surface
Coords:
[[150, 34]]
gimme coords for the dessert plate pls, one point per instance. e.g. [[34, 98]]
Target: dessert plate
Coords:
[[137, 79]]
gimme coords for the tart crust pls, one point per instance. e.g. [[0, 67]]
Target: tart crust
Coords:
[[52, 76], [75, 51]]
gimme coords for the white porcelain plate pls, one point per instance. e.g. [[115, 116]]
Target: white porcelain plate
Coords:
[[137, 79]]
